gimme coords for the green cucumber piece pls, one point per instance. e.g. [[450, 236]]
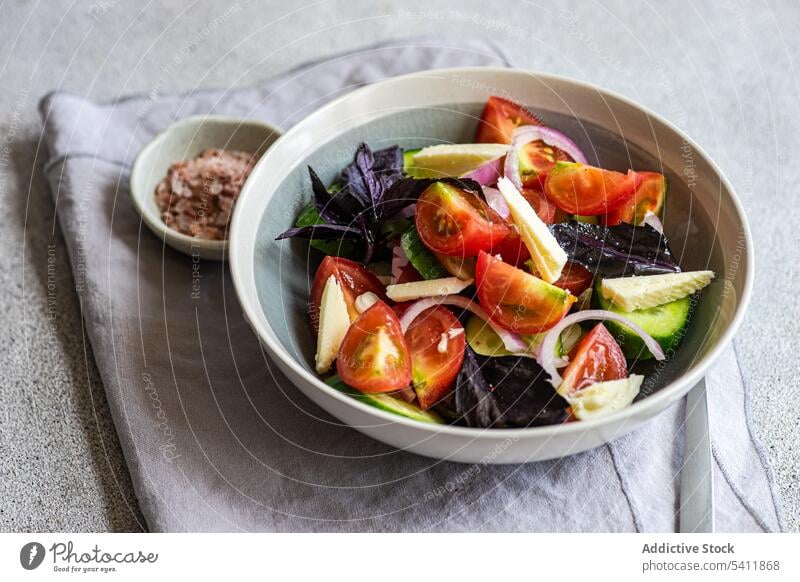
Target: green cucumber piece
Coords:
[[485, 342], [408, 162], [423, 260], [393, 229], [666, 323], [386, 403], [586, 219], [341, 248]]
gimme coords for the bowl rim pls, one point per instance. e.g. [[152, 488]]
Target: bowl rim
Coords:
[[155, 223], [648, 406]]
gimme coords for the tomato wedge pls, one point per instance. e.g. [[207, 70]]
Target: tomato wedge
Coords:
[[596, 358], [536, 160], [648, 197], [546, 210], [499, 119], [436, 341], [589, 191], [373, 356], [354, 280], [512, 250], [574, 278], [453, 222], [516, 300]]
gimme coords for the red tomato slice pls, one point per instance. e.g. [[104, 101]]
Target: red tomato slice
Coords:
[[536, 161], [354, 280], [373, 356], [546, 210], [596, 358], [512, 250], [589, 191], [500, 118], [516, 300], [575, 279], [648, 197], [457, 223], [436, 341]]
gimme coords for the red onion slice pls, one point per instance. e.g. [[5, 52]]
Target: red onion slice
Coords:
[[654, 221], [511, 340], [399, 262], [527, 133], [547, 348], [487, 173], [409, 211], [496, 201]]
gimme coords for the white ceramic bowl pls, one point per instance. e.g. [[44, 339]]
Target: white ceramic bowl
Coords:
[[184, 140], [703, 218]]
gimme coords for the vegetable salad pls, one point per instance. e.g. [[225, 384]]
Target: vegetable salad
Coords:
[[501, 283]]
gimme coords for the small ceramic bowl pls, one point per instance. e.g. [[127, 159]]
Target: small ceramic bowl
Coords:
[[703, 219], [181, 141]]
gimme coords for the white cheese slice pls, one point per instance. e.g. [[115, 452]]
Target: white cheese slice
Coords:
[[632, 293], [602, 398], [548, 257], [334, 321], [428, 288], [442, 160]]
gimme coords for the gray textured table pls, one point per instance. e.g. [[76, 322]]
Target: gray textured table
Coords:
[[725, 74]]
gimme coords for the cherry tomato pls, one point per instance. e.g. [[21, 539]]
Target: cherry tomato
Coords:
[[354, 280], [596, 358], [461, 267], [457, 223], [512, 250], [589, 191], [546, 210], [575, 279], [535, 162], [648, 197], [500, 118], [373, 356], [436, 341], [516, 300]]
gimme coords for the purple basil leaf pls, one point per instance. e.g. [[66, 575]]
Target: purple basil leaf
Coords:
[[321, 232], [616, 251], [325, 202], [389, 161], [521, 392], [473, 399], [368, 235]]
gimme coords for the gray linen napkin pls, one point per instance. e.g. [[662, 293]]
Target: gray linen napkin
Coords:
[[217, 439]]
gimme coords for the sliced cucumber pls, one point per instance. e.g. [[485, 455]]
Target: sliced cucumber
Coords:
[[666, 323], [387, 403], [408, 162], [485, 342], [644, 292], [423, 260], [586, 219]]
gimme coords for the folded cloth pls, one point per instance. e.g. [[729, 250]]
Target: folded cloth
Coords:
[[217, 439]]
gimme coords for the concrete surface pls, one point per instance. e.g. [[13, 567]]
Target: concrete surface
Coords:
[[724, 72]]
